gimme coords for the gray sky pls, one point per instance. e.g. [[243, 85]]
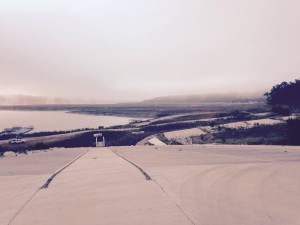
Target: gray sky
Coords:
[[137, 49]]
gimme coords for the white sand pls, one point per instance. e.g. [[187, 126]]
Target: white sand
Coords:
[[251, 123], [156, 142], [289, 117], [262, 114], [183, 133]]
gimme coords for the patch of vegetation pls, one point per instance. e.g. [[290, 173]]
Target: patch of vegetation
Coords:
[[172, 127], [263, 134], [173, 141], [203, 139], [223, 114], [281, 110], [120, 126], [235, 116], [40, 146], [262, 109], [7, 136], [240, 115]]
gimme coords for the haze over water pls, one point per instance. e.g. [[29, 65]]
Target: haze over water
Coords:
[[57, 120]]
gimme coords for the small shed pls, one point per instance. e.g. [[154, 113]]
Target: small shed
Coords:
[[99, 143]]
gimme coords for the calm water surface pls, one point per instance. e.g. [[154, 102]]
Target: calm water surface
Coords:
[[57, 120]]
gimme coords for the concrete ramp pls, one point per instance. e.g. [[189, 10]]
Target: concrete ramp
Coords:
[[101, 188]]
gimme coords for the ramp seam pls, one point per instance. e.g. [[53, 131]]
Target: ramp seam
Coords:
[[149, 178], [184, 213]]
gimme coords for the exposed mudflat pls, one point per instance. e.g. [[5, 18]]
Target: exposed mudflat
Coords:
[[200, 184]]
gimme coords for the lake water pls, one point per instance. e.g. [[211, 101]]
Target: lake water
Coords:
[[57, 120]]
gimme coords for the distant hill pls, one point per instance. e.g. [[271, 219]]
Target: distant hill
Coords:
[[208, 98]]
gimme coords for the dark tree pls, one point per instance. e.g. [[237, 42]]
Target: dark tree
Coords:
[[293, 131], [285, 94]]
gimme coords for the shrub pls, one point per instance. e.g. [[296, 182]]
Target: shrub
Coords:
[[281, 110], [40, 146], [239, 115]]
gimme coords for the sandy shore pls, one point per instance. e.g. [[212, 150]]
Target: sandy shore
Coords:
[[200, 184]]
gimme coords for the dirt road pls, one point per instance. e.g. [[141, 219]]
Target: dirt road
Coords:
[[46, 139]]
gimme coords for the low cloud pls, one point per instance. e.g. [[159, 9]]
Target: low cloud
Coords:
[[43, 100]]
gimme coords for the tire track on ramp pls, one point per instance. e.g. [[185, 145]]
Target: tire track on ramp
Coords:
[[132, 163]]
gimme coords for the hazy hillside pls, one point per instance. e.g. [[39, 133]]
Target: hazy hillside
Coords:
[[208, 98]]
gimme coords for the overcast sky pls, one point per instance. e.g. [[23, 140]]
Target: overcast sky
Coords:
[[137, 49]]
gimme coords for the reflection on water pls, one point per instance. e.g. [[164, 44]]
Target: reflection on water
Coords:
[[57, 120]]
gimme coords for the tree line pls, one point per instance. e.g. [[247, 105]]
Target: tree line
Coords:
[[285, 94]]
